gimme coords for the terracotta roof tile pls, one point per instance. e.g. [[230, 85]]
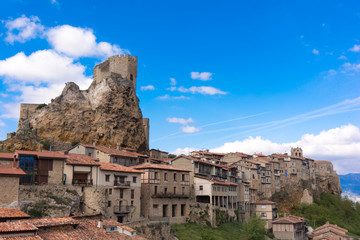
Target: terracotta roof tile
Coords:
[[117, 152], [44, 154], [117, 168], [332, 226], [113, 223], [9, 213], [289, 219], [17, 226], [159, 166], [80, 159], [202, 161], [7, 170], [22, 238], [265, 202], [51, 222], [9, 156]]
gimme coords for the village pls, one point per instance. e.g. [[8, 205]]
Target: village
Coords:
[[120, 189]]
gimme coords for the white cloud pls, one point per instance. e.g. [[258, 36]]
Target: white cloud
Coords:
[[4, 95], [189, 129], [342, 57], [165, 97], [355, 48], [352, 196], [185, 151], [181, 97], [203, 76], [147, 88], [80, 42], [22, 29], [180, 120], [2, 124], [315, 51], [205, 90], [168, 97], [173, 81]]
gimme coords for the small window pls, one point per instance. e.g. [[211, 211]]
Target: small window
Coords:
[[112, 229], [131, 77], [132, 194], [155, 190], [121, 193], [110, 191], [109, 203], [263, 214], [174, 177], [134, 179], [165, 191], [183, 177], [201, 187], [165, 177], [89, 154], [155, 206], [183, 190], [107, 178]]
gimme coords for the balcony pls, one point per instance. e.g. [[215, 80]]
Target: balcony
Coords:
[[82, 182], [120, 184], [122, 209], [170, 195], [185, 183]]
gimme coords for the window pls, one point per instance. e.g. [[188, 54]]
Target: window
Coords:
[[155, 190], [131, 77], [183, 190], [121, 193], [132, 194], [183, 208], [132, 203], [107, 178], [174, 210], [134, 179], [165, 177], [174, 190], [110, 191], [89, 154], [263, 214], [201, 187], [174, 177], [109, 203], [156, 175], [112, 228], [183, 177], [155, 206], [165, 191]]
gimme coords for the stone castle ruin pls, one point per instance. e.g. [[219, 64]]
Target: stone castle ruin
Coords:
[[107, 113]]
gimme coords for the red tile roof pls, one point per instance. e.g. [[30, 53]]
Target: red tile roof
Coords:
[[52, 222], [115, 152], [7, 170], [9, 213], [44, 154], [202, 161], [9, 156], [209, 153], [117, 168], [327, 162], [80, 159], [159, 166], [17, 226], [287, 220], [265, 202], [331, 226], [22, 238]]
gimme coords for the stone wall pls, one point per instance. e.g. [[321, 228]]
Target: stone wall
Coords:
[[9, 189], [56, 175]]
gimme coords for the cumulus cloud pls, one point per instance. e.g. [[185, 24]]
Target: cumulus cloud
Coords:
[[173, 81], [189, 129], [184, 151], [342, 57], [355, 48], [340, 145], [203, 76], [147, 88], [80, 42], [315, 51], [23, 29], [180, 120], [168, 97], [2, 124], [204, 90]]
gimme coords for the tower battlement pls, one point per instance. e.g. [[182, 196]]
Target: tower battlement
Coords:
[[125, 65]]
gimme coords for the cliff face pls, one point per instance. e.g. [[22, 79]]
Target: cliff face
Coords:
[[107, 113]]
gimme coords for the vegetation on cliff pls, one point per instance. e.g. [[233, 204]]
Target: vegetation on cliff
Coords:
[[334, 209], [251, 230]]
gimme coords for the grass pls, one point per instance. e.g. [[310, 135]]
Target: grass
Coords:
[[193, 231]]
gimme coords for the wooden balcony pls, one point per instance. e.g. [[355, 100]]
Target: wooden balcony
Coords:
[[82, 182], [124, 184], [122, 209]]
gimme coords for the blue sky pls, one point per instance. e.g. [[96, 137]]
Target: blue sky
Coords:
[[254, 76]]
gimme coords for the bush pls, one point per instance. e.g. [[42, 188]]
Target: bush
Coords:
[[40, 106], [45, 144], [254, 229]]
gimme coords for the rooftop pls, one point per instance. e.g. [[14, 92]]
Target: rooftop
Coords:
[[264, 202], [7, 156], [44, 154], [80, 159], [17, 226], [117, 168], [289, 219], [7, 170], [9, 213], [159, 166], [51, 222], [113, 223]]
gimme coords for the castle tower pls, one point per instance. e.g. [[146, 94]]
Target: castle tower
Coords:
[[125, 65], [297, 152]]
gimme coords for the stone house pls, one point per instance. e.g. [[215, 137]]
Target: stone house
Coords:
[[289, 228], [235, 157], [9, 187], [157, 154], [330, 231], [123, 191], [126, 157], [41, 167], [207, 155], [165, 192], [323, 168], [266, 211]]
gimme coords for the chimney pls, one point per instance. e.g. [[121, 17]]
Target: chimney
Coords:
[[14, 165], [94, 143], [100, 223]]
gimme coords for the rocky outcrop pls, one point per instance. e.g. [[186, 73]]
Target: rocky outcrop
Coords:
[[107, 113]]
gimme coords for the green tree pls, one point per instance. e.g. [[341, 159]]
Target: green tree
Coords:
[[254, 229]]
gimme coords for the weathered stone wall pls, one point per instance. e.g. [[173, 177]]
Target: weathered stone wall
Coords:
[[56, 175], [9, 190]]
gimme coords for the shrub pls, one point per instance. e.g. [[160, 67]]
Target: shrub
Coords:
[[40, 106]]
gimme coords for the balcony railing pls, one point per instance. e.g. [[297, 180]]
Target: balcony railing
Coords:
[[122, 209], [185, 183], [86, 182], [170, 195], [121, 184]]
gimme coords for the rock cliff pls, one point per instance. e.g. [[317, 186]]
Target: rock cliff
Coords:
[[107, 113]]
